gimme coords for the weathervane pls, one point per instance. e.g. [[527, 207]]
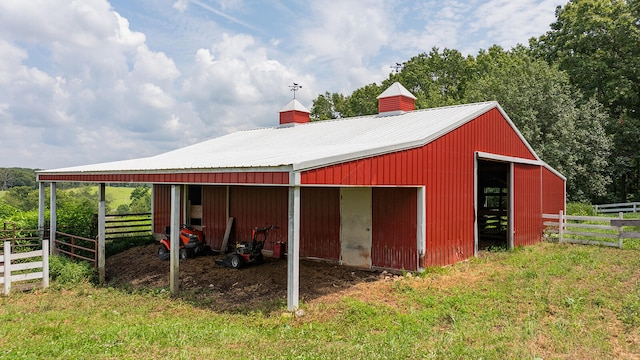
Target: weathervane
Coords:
[[397, 67], [295, 87]]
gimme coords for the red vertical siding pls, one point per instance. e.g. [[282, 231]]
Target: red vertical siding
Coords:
[[396, 103], [446, 167], [320, 223], [257, 207], [553, 196], [394, 218], [161, 207], [214, 214], [527, 205], [487, 133]]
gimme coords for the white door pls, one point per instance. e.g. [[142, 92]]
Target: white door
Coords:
[[355, 227]]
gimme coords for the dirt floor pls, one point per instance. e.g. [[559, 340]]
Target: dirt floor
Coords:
[[254, 286]]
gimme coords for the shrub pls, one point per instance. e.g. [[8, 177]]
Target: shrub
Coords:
[[65, 271], [580, 209]]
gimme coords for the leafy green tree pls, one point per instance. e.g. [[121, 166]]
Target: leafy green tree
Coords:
[[597, 42], [24, 198], [139, 192], [437, 78], [566, 133], [140, 200]]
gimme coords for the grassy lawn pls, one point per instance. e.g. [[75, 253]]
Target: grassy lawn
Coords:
[[544, 301]]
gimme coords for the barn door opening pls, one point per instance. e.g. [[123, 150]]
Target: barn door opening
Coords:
[[493, 204], [194, 206]]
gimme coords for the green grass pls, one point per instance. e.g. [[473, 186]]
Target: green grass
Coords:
[[2, 193], [117, 196], [546, 301]]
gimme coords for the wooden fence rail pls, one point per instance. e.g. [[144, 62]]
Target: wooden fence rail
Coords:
[[591, 230], [618, 207], [77, 247], [21, 271]]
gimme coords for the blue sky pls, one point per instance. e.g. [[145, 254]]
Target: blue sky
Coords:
[[91, 81]]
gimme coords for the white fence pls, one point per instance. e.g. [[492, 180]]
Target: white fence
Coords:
[[591, 230], [24, 271], [619, 207]]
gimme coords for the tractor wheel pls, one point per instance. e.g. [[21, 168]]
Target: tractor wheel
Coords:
[[259, 259], [236, 261], [183, 254], [163, 253]]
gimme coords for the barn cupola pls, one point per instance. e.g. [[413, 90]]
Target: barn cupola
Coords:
[[396, 100], [294, 113]]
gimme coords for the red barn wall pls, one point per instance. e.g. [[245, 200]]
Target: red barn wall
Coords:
[[446, 167], [527, 204], [259, 206], [320, 223], [394, 223], [214, 214], [162, 208], [553, 192]]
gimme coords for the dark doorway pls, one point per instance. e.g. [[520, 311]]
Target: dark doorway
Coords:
[[195, 205], [493, 204]]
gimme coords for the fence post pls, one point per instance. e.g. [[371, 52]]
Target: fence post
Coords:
[[620, 216], [7, 267], [45, 263], [560, 225]]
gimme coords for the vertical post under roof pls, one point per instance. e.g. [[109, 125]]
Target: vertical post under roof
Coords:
[[293, 255], [101, 232], [174, 278], [52, 218], [41, 198]]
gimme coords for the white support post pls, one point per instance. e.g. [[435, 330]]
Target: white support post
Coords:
[[41, 198], [560, 226], [421, 228], [52, 218], [293, 255], [174, 278], [101, 232], [45, 264], [620, 242], [7, 267]]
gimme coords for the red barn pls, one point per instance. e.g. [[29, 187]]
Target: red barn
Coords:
[[401, 189]]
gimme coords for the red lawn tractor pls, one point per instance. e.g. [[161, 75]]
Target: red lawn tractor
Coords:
[[192, 243], [248, 252]]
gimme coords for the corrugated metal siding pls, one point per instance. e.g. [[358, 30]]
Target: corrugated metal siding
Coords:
[[258, 207], [445, 167], [300, 117], [395, 103], [553, 196], [258, 177], [394, 217], [320, 223], [449, 198], [449, 184], [214, 214], [488, 133], [527, 205], [162, 208]]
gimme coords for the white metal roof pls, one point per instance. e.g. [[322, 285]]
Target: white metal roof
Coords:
[[309, 145], [396, 89], [294, 105]]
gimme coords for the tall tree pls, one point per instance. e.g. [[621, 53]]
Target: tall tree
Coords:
[[566, 133], [597, 42]]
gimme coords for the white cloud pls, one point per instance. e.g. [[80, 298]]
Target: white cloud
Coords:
[[83, 83]]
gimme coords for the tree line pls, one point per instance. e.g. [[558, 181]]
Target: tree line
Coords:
[[574, 94]]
